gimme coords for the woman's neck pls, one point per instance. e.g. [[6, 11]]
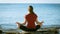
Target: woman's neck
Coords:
[[31, 12]]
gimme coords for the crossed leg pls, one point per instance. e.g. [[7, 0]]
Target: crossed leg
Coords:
[[26, 29]]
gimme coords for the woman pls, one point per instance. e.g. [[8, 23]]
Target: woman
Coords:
[[30, 19]]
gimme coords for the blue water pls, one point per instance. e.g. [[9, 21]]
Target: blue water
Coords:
[[11, 13]]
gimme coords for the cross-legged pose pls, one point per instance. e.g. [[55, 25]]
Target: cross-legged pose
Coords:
[[30, 19]]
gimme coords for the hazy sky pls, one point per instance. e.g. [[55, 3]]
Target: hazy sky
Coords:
[[29, 1]]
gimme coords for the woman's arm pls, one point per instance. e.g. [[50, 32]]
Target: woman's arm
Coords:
[[24, 22], [37, 22]]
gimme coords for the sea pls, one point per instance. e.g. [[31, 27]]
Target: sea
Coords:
[[10, 13]]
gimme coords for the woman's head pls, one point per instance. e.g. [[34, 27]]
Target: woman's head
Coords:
[[30, 9]]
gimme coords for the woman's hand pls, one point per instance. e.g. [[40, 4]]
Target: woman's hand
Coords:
[[42, 21], [17, 23]]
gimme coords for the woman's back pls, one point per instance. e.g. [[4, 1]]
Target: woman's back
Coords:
[[31, 18]]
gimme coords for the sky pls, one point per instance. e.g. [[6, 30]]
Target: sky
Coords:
[[15, 12], [29, 1]]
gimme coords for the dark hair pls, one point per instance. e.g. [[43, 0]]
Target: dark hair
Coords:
[[31, 9]]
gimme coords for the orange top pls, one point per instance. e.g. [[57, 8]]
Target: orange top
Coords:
[[31, 18]]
